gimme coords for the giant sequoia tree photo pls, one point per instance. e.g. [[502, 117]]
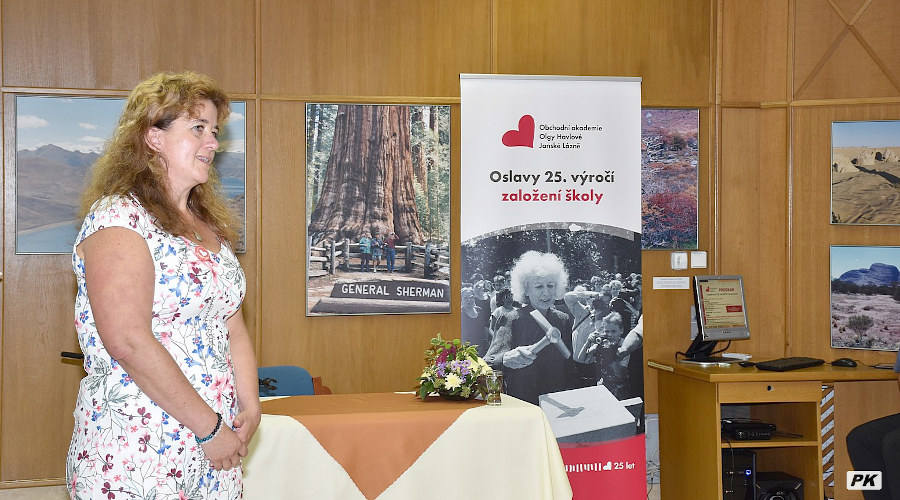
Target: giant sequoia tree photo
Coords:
[[376, 170], [368, 179]]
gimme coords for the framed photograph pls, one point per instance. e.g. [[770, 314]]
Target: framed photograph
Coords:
[[865, 297], [670, 159], [865, 172], [378, 209], [58, 139]]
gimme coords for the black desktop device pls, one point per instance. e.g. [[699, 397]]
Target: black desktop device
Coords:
[[721, 316], [738, 474], [740, 429]]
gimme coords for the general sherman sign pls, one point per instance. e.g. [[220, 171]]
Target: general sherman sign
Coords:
[[393, 290]]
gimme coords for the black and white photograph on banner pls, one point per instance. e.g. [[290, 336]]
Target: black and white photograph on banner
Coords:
[[557, 308], [378, 209]]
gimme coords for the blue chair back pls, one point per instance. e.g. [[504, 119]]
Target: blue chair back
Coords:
[[286, 380]]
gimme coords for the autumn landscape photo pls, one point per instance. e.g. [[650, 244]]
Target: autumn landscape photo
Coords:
[[669, 178]]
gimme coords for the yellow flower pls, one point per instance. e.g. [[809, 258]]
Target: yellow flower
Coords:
[[452, 381]]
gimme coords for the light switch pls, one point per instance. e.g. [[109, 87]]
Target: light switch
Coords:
[[698, 259], [679, 261]]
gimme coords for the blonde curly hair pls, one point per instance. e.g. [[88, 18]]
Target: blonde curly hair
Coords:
[[128, 166]]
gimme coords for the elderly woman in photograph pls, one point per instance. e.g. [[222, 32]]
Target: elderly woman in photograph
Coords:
[[533, 343]]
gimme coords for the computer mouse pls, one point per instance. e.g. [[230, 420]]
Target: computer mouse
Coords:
[[845, 362]]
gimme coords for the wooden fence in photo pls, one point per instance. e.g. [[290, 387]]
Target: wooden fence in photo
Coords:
[[429, 261]]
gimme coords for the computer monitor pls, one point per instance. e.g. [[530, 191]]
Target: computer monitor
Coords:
[[721, 316]]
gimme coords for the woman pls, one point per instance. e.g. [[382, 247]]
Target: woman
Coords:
[[530, 356], [170, 400]]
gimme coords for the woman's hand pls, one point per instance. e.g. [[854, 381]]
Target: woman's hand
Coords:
[[520, 357], [245, 424], [223, 451]]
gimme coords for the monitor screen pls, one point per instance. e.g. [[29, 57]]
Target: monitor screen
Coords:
[[721, 315], [722, 312]]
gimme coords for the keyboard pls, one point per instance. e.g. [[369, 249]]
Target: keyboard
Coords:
[[792, 363]]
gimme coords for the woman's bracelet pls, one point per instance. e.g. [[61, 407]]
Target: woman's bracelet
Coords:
[[201, 440]]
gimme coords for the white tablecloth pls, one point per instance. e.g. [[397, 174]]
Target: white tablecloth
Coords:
[[492, 452]]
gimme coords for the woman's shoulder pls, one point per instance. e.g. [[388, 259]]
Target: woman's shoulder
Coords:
[[116, 211], [115, 205]]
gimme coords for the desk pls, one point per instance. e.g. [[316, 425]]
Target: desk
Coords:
[[497, 452], [690, 442]]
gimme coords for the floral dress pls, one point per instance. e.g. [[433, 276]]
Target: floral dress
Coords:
[[124, 446]]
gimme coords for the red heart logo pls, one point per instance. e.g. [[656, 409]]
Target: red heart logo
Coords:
[[524, 136]]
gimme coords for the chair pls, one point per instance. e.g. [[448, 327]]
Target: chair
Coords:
[[289, 380]]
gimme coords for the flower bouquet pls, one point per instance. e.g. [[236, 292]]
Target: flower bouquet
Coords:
[[453, 370]]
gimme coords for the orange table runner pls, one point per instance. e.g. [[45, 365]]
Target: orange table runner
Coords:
[[375, 437]]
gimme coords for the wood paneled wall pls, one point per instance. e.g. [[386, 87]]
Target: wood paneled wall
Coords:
[[755, 71], [787, 71]]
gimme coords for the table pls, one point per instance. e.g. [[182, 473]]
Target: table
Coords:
[[691, 398], [394, 446]]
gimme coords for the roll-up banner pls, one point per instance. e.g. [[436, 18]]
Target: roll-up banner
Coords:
[[551, 261]]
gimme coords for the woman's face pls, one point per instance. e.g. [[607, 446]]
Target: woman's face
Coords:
[[541, 292], [188, 147]]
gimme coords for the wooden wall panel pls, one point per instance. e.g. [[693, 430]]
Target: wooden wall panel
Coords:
[[754, 51], [667, 44], [368, 48], [752, 224], [109, 44], [846, 49], [37, 389], [351, 353], [813, 233]]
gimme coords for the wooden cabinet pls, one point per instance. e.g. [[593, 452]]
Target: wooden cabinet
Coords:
[[692, 400]]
